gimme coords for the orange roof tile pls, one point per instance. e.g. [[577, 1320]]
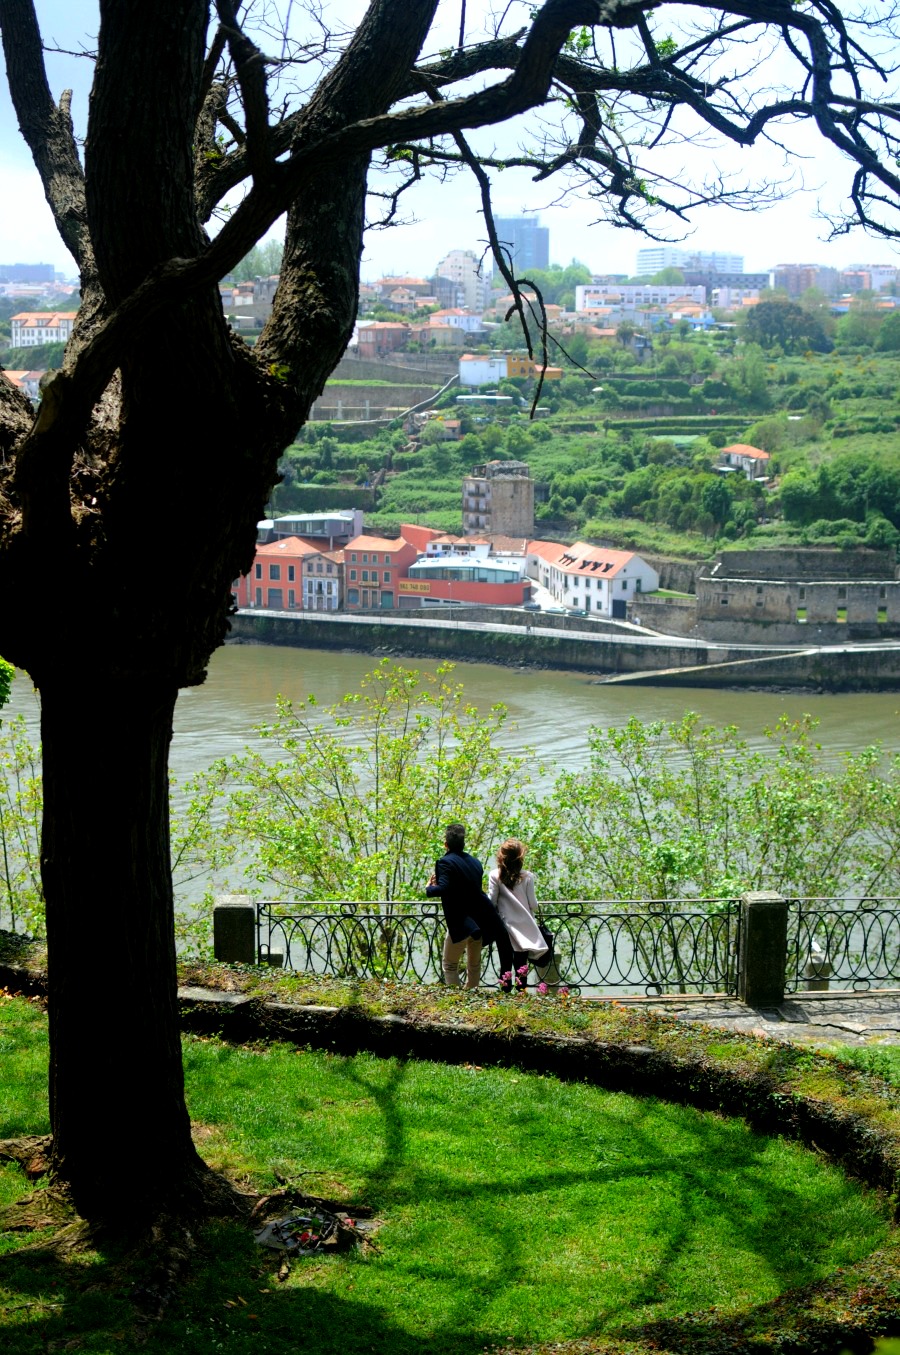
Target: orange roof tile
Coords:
[[744, 449], [44, 318], [288, 545], [365, 542], [582, 558], [415, 535]]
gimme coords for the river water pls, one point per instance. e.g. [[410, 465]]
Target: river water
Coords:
[[548, 711]]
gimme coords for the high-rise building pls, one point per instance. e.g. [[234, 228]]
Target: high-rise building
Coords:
[[880, 275], [463, 267], [527, 241], [715, 281], [796, 278], [27, 272], [498, 500], [657, 257]]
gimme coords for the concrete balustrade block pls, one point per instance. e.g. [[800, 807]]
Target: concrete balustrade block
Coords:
[[234, 929], [763, 951]]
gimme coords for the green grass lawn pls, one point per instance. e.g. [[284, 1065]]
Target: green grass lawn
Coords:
[[515, 1208]]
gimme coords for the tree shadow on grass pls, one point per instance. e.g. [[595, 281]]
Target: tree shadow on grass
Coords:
[[233, 1302], [718, 1177], [720, 1181]]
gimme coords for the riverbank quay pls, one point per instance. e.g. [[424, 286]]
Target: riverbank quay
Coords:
[[567, 643]]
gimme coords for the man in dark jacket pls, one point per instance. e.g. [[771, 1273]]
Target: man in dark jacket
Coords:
[[470, 916]]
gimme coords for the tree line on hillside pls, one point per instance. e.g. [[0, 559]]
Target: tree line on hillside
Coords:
[[629, 474]]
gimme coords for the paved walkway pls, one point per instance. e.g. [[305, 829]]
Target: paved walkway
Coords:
[[822, 1018]]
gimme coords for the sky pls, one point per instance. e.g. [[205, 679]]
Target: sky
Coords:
[[440, 217]]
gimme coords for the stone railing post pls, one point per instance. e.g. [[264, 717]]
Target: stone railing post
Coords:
[[763, 953], [234, 929]]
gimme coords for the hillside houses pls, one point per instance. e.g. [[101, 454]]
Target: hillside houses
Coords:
[[29, 329], [590, 578], [751, 460]]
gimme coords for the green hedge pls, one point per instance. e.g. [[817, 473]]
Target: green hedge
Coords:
[[320, 498]]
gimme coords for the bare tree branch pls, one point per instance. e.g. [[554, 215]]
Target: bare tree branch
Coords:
[[250, 68]]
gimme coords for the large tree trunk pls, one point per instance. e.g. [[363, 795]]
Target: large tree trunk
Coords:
[[121, 1134]]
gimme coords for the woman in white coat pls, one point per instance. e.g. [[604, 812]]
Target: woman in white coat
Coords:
[[511, 890]]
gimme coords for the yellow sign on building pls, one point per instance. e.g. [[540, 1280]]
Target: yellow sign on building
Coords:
[[414, 586]]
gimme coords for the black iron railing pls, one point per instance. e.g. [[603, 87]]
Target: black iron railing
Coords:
[[670, 946], [841, 944]]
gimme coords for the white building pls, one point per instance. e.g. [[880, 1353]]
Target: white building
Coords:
[[881, 275], [751, 460], [30, 328], [590, 578], [482, 370], [457, 319], [597, 295], [29, 382], [655, 258], [463, 267], [335, 528], [470, 568], [445, 546], [732, 298]]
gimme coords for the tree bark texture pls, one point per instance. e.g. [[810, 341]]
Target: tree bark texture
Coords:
[[121, 1134], [147, 513]]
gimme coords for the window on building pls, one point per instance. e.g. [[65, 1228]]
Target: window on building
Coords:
[[842, 592], [365, 574], [353, 573], [275, 572], [329, 569], [624, 585], [353, 557], [353, 597], [290, 573], [882, 592], [802, 594], [259, 597], [386, 575], [374, 559], [257, 571], [292, 598], [724, 601], [387, 559], [365, 559]]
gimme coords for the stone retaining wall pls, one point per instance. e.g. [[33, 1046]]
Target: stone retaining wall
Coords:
[[530, 648]]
